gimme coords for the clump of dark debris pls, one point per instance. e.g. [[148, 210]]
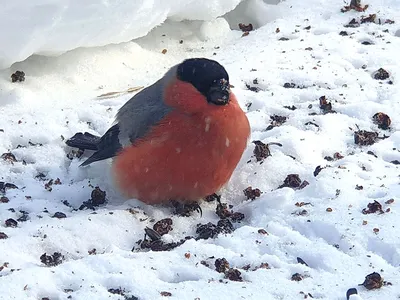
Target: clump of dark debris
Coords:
[[261, 151], [186, 209], [252, 194], [276, 121], [11, 223], [3, 236], [254, 86], [52, 260], [290, 107], [9, 157], [356, 5], [373, 207], [382, 120], [373, 281], [222, 266], [293, 181], [301, 261], [297, 277], [246, 28], [163, 226], [353, 24], [75, 153], [98, 197], [59, 215], [4, 199], [152, 241], [381, 74], [225, 212], [365, 138], [4, 186], [212, 198], [123, 293], [24, 217], [210, 230], [325, 106], [336, 156], [291, 85], [18, 76]]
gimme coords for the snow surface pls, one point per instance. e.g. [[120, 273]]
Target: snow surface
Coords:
[[56, 26], [59, 98]]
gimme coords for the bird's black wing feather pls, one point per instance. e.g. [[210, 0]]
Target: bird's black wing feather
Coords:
[[85, 141], [106, 146]]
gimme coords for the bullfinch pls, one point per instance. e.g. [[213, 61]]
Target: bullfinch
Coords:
[[179, 139]]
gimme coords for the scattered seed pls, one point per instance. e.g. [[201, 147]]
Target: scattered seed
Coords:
[[381, 74], [365, 138], [4, 186], [359, 187], [9, 157], [11, 223], [370, 19], [213, 197], [325, 106], [221, 265], [382, 120], [301, 261], [294, 181], [52, 260], [59, 215], [263, 231], [390, 201], [98, 197], [373, 207], [329, 209], [317, 170], [4, 199], [163, 226], [291, 107], [353, 24], [234, 275], [18, 76], [245, 28], [252, 194], [276, 121], [297, 277]]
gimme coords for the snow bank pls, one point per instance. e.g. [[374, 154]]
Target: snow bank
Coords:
[[54, 26]]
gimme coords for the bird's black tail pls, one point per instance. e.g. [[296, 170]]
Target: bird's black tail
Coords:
[[85, 141]]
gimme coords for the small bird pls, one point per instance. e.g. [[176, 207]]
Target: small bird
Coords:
[[179, 139]]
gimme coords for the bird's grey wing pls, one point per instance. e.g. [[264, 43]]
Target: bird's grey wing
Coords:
[[133, 121]]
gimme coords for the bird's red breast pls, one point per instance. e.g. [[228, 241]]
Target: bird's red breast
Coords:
[[190, 154]]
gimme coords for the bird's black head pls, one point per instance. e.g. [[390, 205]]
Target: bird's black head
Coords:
[[208, 77]]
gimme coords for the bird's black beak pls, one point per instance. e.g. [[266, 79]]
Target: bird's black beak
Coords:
[[219, 92]]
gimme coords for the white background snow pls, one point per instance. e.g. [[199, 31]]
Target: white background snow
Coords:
[[59, 98]]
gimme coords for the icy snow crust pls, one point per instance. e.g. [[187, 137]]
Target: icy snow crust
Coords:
[[339, 244], [56, 26]]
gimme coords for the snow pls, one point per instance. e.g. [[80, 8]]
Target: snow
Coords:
[[54, 27], [333, 236]]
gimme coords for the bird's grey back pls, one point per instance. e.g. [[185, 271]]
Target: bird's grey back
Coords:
[[144, 110]]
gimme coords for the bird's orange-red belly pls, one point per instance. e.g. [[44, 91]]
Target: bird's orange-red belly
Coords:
[[185, 157]]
